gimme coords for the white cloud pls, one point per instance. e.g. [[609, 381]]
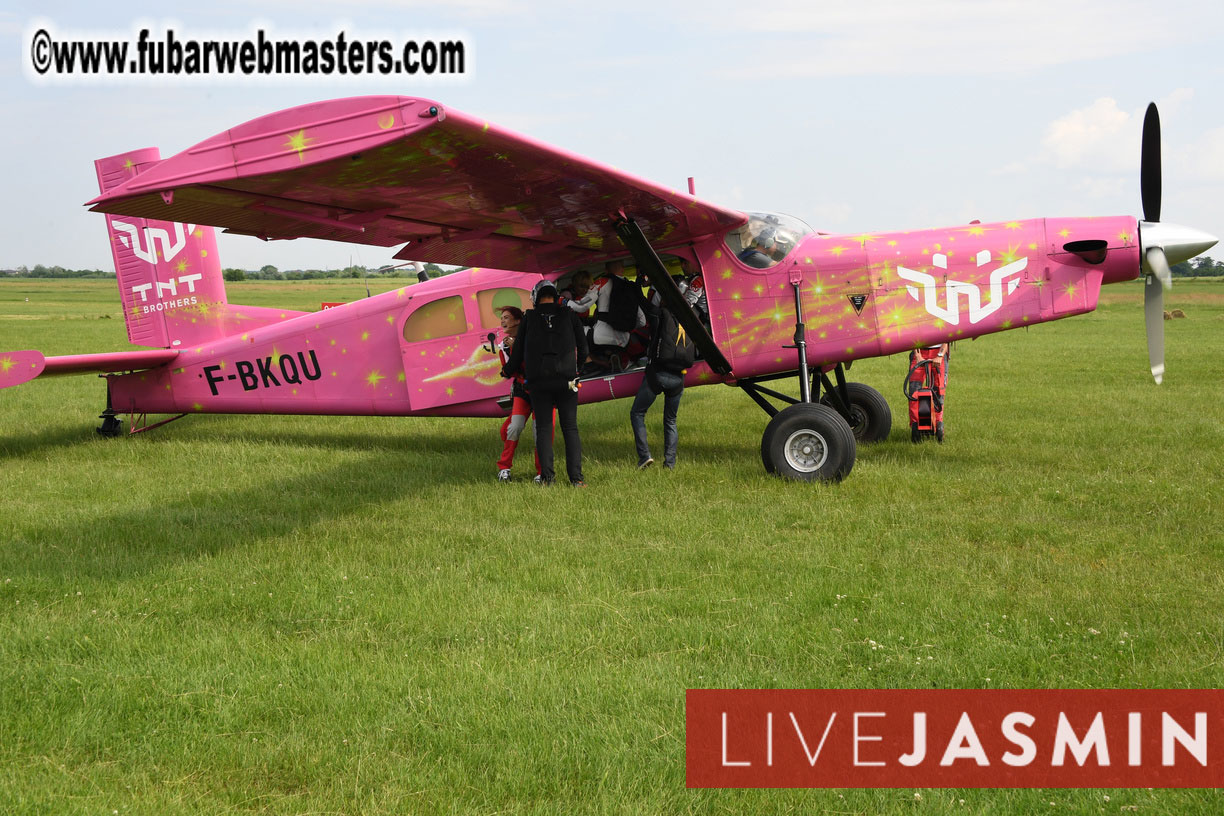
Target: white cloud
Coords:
[[1203, 160], [1101, 136]]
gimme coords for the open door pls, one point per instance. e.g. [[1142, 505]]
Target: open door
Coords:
[[444, 339]]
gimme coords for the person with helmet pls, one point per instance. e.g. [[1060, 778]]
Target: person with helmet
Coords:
[[549, 348], [759, 252]]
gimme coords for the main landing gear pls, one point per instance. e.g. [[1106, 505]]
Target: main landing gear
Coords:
[[815, 438]]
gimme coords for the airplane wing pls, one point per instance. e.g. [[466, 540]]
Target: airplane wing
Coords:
[[17, 367], [386, 170]]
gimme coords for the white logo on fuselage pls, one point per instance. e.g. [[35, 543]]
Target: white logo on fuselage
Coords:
[[129, 236], [951, 313]]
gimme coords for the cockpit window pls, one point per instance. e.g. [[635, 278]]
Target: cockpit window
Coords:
[[766, 239]]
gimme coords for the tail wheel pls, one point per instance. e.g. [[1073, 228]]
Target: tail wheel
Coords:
[[111, 426], [808, 442], [870, 417]]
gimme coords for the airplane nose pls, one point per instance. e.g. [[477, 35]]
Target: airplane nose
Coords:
[[1179, 243]]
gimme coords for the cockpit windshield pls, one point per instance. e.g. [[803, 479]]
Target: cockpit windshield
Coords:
[[766, 239]]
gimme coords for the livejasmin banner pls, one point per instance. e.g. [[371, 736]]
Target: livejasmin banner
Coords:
[[952, 738]]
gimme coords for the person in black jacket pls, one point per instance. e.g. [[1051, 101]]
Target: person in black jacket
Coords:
[[670, 353], [551, 345]]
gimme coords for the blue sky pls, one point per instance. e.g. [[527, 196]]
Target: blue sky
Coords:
[[883, 116]]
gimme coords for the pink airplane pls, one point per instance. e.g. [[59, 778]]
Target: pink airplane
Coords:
[[454, 189]]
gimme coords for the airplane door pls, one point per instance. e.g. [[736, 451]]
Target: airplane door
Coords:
[[444, 343]]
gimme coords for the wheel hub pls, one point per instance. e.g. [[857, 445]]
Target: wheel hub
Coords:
[[805, 451]]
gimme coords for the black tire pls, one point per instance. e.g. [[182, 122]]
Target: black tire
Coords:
[[870, 417], [110, 428], [808, 442]]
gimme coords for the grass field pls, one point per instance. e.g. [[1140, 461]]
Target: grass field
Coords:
[[295, 615]]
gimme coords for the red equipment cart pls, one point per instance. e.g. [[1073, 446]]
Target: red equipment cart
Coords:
[[925, 388]]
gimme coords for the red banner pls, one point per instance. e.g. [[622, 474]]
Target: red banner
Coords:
[[954, 738]]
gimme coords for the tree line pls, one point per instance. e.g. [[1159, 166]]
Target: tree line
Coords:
[[1200, 267], [267, 272]]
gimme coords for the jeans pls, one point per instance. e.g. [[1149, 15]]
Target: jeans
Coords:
[[543, 401], [673, 389]]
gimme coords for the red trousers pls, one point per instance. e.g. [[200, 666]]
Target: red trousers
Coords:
[[520, 412]]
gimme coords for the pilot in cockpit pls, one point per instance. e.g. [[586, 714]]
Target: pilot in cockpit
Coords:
[[759, 252]]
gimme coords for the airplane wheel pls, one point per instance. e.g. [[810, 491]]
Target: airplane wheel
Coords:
[[111, 426], [870, 417], [808, 442]]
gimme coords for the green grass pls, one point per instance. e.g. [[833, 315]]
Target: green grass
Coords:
[[296, 615]]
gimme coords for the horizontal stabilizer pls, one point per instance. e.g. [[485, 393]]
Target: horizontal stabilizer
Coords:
[[17, 367]]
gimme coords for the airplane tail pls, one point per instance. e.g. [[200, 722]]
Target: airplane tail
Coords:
[[169, 274]]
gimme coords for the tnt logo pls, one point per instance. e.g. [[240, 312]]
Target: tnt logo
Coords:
[[129, 236], [170, 286]]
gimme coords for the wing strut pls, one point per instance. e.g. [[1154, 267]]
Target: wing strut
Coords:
[[648, 263]]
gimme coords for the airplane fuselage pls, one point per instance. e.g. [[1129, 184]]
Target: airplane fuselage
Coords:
[[417, 350]]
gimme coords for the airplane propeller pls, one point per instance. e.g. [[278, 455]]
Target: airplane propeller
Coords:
[[1159, 242]]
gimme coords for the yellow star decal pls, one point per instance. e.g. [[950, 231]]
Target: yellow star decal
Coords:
[[299, 142], [1064, 232], [838, 250], [864, 238], [6, 364], [374, 378], [1012, 225]]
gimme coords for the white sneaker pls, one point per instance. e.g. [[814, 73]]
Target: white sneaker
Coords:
[[503, 475]]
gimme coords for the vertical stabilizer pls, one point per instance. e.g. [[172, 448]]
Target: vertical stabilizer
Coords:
[[169, 274]]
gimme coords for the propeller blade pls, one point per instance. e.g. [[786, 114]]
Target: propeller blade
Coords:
[[1159, 264], [1153, 316], [1149, 164]]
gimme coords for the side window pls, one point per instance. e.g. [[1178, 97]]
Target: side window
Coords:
[[442, 318], [488, 301]]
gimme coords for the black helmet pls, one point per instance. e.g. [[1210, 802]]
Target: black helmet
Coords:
[[540, 288]]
